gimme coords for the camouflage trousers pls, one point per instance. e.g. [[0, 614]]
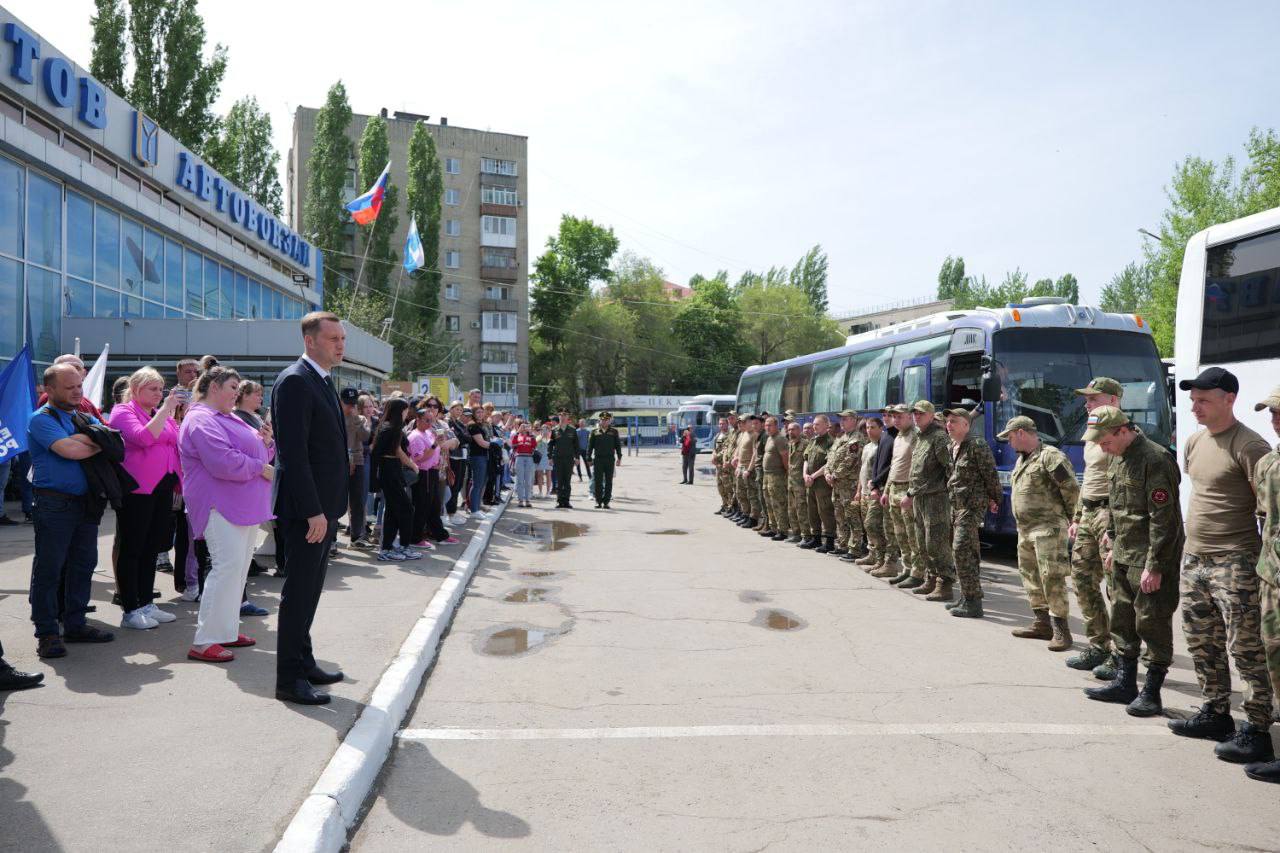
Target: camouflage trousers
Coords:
[[1088, 577], [822, 516], [1044, 564], [1138, 618], [873, 523], [931, 515], [758, 476], [904, 529], [842, 504], [775, 492], [1221, 616], [1269, 601], [965, 524], [724, 483], [746, 491], [798, 508]]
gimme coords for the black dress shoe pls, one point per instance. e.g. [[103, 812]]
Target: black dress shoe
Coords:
[[11, 679], [316, 675], [302, 693]]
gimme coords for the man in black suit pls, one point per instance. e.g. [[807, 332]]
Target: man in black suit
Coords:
[[311, 495]]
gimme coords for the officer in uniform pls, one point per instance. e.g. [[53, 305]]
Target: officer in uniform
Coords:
[[1091, 520], [728, 452], [872, 522], [822, 518], [928, 504], [975, 488], [904, 529], [797, 497], [744, 455], [757, 480], [604, 446], [717, 454], [564, 453], [1266, 482], [1142, 550], [774, 469], [843, 462], [1045, 492]]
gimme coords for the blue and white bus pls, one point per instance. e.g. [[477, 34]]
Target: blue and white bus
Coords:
[[703, 413], [1024, 359]]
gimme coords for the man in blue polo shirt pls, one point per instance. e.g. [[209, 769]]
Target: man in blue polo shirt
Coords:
[[66, 541]]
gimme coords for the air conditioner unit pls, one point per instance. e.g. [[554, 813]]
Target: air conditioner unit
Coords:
[[475, 324]]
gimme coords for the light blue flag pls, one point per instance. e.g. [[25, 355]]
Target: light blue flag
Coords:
[[413, 255], [17, 402]]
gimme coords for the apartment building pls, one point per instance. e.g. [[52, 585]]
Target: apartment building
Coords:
[[484, 241]]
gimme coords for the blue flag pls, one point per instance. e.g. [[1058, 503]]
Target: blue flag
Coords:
[[17, 401], [413, 254]]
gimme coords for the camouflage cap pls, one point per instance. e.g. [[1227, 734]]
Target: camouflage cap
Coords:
[[1102, 419], [791, 413], [604, 415], [959, 412], [1019, 422], [1272, 401], [1102, 385], [848, 413], [924, 407]]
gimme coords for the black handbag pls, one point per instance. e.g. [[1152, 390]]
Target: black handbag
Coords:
[[537, 457]]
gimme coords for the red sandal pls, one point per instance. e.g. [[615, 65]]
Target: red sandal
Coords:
[[240, 640], [214, 654]]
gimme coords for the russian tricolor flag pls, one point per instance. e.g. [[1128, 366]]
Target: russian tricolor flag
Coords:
[[365, 208]]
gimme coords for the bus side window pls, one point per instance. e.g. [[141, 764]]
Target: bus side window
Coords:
[[965, 381]]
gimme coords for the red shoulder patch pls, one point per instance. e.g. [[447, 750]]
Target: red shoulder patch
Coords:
[[1159, 496]]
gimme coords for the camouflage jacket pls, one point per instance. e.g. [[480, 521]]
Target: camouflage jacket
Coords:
[[717, 448], [974, 480], [816, 453], [1146, 517], [1044, 489], [1266, 482], [795, 471], [843, 461], [730, 443], [757, 461], [930, 461]]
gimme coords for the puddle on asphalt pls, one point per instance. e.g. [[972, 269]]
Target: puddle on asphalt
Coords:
[[551, 534], [778, 620], [668, 532], [515, 640], [752, 596], [537, 574], [527, 595]]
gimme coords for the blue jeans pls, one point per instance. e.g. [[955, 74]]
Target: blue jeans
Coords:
[[524, 478], [66, 543], [479, 476]]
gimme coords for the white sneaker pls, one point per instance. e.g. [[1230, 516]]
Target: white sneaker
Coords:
[[191, 593], [138, 620], [410, 554], [459, 519], [391, 556], [446, 521], [158, 615]]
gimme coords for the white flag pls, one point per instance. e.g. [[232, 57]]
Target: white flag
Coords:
[[93, 383]]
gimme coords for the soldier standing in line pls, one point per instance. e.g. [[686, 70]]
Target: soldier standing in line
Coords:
[[757, 473], [890, 566], [797, 499], [728, 452], [904, 530], [1045, 492], [856, 547], [929, 504], [1141, 551], [1221, 615], [603, 445], [975, 489], [872, 514], [1266, 482], [842, 476], [564, 452], [1091, 520], [743, 458], [774, 467], [822, 518], [717, 452]]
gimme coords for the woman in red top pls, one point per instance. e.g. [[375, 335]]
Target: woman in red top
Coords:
[[688, 452], [523, 443]]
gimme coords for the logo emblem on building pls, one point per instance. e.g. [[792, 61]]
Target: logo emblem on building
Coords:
[[146, 139]]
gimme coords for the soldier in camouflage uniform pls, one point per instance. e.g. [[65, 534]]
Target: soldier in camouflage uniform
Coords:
[[1221, 613], [1266, 482], [728, 452], [744, 455], [764, 528], [822, 518], [797, 498], [929, 504], [975, 489], [843, 463], [890, 565], [1045, 492], [904, 529], [1142, 547], [1089, 523], [857, 525], [774, 470], [723, 478], [872, 522]]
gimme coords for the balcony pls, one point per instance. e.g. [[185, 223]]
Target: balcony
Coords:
[[498, 209], [499, 367], [499, 305], [504, 273]]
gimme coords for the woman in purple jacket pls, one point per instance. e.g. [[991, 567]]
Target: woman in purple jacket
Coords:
[[144, 525], [227, 475]]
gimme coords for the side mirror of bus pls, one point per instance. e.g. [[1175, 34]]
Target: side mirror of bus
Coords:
[[990, 387]]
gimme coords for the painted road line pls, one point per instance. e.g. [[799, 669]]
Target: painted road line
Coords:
[[850, 730]]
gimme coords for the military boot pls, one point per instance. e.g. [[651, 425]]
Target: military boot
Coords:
[[828, 542], [1106, 670], [809, 542], [869, 560], [1206, 723], [1264, 771], [779, 537], [887, 569], [747, 522], [925, 587], [901, 578], [968, 608], [849, 557], [1089, 658], [836, 551], [795, 539], [1037, 630], [1148, 702], [941, 592], [1061, 635], [1249, 746], [765, 532], [1123, 689]]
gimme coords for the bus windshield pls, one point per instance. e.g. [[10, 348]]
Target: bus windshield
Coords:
[[1040, 370], [690, 417]]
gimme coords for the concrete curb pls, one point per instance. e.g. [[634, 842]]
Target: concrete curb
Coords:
[[321, 822]]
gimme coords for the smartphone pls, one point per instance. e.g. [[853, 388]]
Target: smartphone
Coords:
[[184, 396]]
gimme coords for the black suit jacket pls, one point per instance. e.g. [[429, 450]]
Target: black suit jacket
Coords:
[[311, 445]]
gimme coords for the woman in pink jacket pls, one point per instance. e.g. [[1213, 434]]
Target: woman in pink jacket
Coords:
[[144, 523]]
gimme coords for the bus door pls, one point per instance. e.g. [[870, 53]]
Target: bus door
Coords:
[[915, 380], [966, 364]]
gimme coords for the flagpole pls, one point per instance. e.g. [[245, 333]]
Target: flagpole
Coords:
[[400, 278], [368, 244]]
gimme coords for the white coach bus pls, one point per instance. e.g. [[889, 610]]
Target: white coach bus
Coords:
[[1229, 315]]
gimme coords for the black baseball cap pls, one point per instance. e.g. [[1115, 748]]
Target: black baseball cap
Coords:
[[1210, 378], [350, 395]]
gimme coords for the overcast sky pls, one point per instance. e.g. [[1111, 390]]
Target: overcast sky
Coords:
[[736, 134]]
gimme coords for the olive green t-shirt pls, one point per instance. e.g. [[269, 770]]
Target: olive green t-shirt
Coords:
[[1221, 517]]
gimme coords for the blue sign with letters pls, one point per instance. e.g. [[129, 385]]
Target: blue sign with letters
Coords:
[[57, 77], [146, 139]]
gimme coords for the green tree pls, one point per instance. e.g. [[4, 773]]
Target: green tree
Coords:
[[810, 275], [366, 310], [578, 255], [380, 257], [323, 217], [779, 323], [1260, 181], [951, 280], [242, 150], [652, 360], [107, 56], [708, 328], [600, 349], [1129, 291], [424, 341]]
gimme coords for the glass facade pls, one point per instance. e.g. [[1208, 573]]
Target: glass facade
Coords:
[[73, 257]]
